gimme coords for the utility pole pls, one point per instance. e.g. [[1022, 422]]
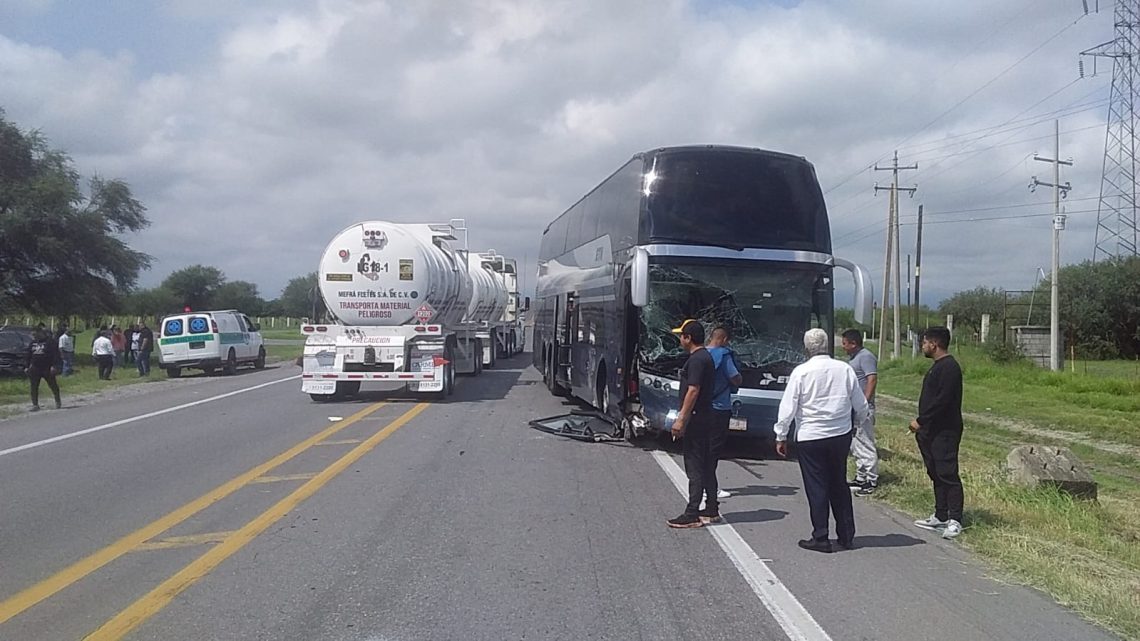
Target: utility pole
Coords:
[[1058, 225], [917, 269], [893, 247]]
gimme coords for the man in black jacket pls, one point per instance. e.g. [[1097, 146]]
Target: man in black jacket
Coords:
[[43, 363], [938, 431]]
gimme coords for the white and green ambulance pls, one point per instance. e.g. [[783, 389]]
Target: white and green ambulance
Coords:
[[208, 341]]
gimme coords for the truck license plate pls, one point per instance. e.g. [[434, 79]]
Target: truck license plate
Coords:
[[738, 424], [319, 387]]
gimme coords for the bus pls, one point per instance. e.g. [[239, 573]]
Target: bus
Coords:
[[729, 236]]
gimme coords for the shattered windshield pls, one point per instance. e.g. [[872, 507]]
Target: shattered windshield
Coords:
[[767, 308]]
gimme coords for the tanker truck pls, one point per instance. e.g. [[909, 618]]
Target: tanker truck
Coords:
[[406, 304], [502, 332]]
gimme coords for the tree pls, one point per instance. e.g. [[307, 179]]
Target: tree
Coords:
[[60, 247], [240, 295], [195, 285], [297, 297], [1100, 307], [969, 306], [151, 303]]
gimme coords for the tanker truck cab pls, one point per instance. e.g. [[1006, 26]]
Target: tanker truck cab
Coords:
[[398, 297], [209, 340]]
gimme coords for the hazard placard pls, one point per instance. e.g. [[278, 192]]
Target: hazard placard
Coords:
[[424, 313]]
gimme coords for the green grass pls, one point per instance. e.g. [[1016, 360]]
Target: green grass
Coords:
[[15, 394], [15, 390], [293, 333], [1084, 553]]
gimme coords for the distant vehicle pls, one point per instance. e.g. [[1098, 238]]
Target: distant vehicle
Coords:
[[208, 340], [409, 305], [503, 332], [14, 342], [724, 235]]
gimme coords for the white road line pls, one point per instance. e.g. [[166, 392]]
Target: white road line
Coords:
[[99, 428], [797, 623]]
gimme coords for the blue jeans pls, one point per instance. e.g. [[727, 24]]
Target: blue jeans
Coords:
[[68, 363], [143, 362]]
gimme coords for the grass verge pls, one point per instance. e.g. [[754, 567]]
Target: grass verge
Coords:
[[1085, 554]]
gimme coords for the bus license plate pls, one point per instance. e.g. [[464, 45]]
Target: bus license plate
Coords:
[[738, 424]]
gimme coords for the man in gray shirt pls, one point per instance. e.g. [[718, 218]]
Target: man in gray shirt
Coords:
[[863, 444]]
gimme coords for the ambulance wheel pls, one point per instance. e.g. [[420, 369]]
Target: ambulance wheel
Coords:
[[260, 362], [230, 367]]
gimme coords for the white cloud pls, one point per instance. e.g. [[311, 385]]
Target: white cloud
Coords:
[[306, 119]]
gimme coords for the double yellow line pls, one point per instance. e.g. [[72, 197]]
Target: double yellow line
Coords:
[[145, 607]]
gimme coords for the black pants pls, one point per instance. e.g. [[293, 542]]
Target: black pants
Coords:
[[700, 466], [940, 454], [823, 464], [106, 365], [34, 376]]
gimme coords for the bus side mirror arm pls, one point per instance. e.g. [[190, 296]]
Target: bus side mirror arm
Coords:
[[864, 290], [639, 278]]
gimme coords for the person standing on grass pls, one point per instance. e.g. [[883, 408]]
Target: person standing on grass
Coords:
[[821, 396], [863, 443], [66, 346], [119, 343], [43, 363], [938, 432], [104, 353], [146, 344], [695, 424], [129, 339]]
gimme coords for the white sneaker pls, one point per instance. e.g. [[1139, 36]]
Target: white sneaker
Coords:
[[932, 522], [952, 529], [723, 494]]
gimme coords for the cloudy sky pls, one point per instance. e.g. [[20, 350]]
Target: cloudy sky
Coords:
[[255, 130]]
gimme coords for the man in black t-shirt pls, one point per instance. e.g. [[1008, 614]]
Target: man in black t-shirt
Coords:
[[695, 423], [938, 431], [43, 363]]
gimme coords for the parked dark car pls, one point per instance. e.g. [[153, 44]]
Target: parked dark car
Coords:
[[14, 343]]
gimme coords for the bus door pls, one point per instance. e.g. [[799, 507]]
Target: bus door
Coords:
[[569, 337]]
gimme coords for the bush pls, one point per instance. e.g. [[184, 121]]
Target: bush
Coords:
[[1003, 352]]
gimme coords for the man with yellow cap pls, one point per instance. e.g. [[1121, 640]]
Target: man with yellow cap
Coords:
[[696, 424]]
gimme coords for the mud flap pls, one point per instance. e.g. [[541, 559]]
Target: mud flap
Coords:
[[580, 425]]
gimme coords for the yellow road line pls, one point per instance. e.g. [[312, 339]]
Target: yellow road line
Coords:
[[154, 601], [189, 540], [304, 476], [31, 596]]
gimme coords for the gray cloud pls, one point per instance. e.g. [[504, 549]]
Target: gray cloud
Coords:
[[297, 122]]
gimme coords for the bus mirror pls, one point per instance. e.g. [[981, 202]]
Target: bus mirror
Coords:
[[864, 290], [639, 278]]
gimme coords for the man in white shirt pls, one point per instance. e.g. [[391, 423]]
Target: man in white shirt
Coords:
[[104, 353], [820, 397]]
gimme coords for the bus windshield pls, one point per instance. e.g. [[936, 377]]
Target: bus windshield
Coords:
[[767, 307]]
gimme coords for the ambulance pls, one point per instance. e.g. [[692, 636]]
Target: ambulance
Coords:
[[208, 341]]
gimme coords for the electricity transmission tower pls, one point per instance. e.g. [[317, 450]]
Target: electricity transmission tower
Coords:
[[1116, 211]]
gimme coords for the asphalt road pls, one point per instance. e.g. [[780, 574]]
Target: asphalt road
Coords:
[[236, 508]]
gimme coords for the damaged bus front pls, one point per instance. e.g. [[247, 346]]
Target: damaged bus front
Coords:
[[766, 300], [731, 236]]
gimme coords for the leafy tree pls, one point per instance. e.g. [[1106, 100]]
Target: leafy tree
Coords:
[[297, 297], [195, 285], [61, 249], [240, 295], [1100, 307], [151, 303], [969, 306]]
